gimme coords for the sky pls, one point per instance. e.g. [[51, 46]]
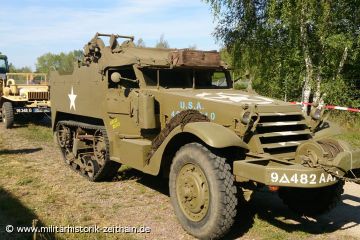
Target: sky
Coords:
[[30, 28]]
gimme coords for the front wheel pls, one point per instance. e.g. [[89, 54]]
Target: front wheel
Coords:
[[313, 201], [8, 114], [202, 192]]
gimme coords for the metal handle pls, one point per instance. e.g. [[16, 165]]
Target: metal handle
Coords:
[[116, 35]]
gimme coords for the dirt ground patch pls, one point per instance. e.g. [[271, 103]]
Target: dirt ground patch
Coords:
[[36, 184]]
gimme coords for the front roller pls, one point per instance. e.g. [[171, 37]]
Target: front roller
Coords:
[[202, 191], [333, 156]]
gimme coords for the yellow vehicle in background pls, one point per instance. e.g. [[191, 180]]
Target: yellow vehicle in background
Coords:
[[24, 94]]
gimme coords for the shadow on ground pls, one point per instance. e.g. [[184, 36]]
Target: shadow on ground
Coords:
[[158, 184], [269, 207], [13, 212], [20, 151]]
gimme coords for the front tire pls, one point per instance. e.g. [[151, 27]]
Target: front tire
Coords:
[[202, 192], [8, 115], [314, 201]]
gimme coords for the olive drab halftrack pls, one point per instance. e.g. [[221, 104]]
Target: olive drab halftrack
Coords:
[[175, 113], [24, 94]]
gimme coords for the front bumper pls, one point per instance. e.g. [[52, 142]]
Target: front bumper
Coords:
[[275, 172]]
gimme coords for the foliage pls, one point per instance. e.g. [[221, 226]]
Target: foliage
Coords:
[[192, 47], [162, 43], [62, 62], [13, 69], [140, 43], [281, 43]]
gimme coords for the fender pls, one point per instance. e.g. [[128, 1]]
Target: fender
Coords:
[[10, 82], [212, 134]]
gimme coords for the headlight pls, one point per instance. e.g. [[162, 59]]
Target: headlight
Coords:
[[245, 118], [22, 93]]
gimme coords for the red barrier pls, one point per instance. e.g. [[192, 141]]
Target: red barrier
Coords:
[[331, 107]]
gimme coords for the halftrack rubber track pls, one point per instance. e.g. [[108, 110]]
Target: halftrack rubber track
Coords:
[[86, 163]]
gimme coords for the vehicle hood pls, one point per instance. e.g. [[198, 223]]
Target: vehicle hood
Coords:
[[227, 96], [221, 105]]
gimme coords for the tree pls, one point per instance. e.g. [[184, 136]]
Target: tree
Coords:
[[140, 43], [162, 43], [192, 47], [63, 62], [293, 48], [13, 69]]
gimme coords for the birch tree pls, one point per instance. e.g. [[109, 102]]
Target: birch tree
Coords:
[[294, 49]]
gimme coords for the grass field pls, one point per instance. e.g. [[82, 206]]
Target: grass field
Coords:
[[35, 184], [351, 129]]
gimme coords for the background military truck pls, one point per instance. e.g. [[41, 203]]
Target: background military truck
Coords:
[[25, 94], [161, 112]]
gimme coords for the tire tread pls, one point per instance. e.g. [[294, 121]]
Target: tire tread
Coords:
[[8, 114], [226, 180]]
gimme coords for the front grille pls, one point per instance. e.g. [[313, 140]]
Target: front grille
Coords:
[[38, 95], [281, 133]]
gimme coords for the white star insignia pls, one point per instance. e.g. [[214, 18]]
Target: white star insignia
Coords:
[[204, 94], [72, 98]]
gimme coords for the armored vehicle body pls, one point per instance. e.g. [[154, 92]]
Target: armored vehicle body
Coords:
[[25, 94], [175, 113]]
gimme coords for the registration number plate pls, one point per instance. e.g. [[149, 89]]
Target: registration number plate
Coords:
[[32, 110], [301, 178]]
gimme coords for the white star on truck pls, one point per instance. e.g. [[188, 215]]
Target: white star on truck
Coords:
[[72, 98]]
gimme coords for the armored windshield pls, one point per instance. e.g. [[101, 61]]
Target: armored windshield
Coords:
[[187, 78]]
